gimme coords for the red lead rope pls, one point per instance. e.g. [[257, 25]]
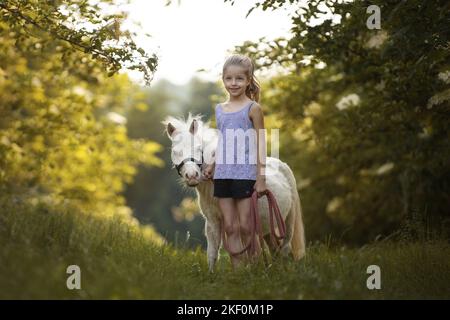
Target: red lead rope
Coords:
[[256, 227]]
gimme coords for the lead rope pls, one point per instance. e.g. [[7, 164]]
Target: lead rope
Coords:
[[256, 227]]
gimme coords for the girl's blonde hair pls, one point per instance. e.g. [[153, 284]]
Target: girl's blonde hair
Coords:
[[253, 89]]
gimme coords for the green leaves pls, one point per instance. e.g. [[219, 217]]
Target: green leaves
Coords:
[[67, 22], [394, 73], [56, 139]]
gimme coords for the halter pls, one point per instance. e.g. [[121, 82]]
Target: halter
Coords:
[[181, 164]]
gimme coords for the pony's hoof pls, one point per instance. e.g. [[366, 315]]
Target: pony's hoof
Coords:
[[211, 265]]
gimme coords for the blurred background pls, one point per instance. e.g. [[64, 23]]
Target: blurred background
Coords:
[[363, 113]]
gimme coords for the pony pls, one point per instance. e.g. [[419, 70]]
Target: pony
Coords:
[[194, 144]]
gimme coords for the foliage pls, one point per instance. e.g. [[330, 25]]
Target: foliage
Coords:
[[187, 210], [368, 113], [61, 135], [79, 25]]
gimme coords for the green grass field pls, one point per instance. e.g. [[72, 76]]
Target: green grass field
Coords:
[[119, 262]]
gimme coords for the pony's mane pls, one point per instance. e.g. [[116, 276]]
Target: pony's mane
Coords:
[[182, 124]]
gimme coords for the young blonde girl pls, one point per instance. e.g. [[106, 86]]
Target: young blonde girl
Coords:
[[234, 183]]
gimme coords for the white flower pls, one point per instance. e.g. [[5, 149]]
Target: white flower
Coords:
[[117, 118], [78, 90], [444, 76], [334, 204], [385, 168], [377, 40], [438, 98], [426, 132], [303, 183], [347, 101]]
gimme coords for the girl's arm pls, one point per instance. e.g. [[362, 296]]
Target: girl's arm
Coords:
[[257, 117], [208, 172]]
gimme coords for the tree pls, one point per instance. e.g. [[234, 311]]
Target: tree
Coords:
[[81, 26], [62, 137], [369, 112]]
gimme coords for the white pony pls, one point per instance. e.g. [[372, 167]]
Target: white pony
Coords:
[[193, 147]]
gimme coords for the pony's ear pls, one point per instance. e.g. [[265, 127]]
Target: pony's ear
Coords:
[[194, 126], [170, 129]]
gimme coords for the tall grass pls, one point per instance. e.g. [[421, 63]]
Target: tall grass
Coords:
[[118, 261]]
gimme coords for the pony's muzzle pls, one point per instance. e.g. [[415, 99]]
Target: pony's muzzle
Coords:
[[190, 175]]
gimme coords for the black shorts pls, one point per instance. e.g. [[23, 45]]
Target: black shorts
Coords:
[[233, 188]]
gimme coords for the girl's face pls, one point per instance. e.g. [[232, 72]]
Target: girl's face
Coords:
[[235, 80]]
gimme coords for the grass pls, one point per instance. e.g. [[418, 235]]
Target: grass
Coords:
[[117, 261]]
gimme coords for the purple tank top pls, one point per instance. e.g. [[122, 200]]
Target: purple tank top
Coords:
[[233, 128]]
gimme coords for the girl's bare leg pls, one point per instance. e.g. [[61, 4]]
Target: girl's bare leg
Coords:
[[243, 207], [231, 224]]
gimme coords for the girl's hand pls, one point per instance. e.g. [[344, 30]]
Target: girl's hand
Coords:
[[260, 186], [208, 172]]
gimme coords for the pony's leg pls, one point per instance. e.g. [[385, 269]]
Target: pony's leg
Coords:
[[212, 231]]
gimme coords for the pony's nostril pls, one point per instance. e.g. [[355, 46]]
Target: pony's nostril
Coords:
[[196, 174]]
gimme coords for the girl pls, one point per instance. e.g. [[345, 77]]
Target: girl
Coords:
[[234, 183]]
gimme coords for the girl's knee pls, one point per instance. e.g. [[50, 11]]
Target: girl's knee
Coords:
[[231, 228], [245, 228]]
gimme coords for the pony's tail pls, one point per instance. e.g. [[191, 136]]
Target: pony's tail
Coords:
[[298, 247], [298, 237]]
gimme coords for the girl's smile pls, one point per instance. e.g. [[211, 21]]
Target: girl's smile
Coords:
[[235, 79]]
